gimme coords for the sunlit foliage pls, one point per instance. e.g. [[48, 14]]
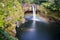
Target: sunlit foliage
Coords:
[[10, 13], [54, 8], [54, 5]]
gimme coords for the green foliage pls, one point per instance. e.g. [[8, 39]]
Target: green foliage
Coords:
[[26, 1], [5, 36], [50, 6], [2, 23], [39, 1], [10, 12], [54, 6], [32, 1]]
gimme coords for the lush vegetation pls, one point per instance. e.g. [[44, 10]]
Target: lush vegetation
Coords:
[[5, 36], [54, 8], [26, 1], [33, 1], [10, 13], [55, 5]]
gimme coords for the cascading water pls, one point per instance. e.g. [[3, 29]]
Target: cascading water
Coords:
[[34, 16], [34, 13], [34, 19]]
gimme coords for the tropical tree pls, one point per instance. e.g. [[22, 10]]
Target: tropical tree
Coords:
[[10, 13]]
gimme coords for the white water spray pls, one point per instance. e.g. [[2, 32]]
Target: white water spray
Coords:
[[34, 13], [34, 16], [34, 20]]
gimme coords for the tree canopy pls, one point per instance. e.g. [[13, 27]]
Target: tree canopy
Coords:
[[10, 13]]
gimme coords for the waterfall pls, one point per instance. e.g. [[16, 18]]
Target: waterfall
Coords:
[[34, 13], [34, 16]]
